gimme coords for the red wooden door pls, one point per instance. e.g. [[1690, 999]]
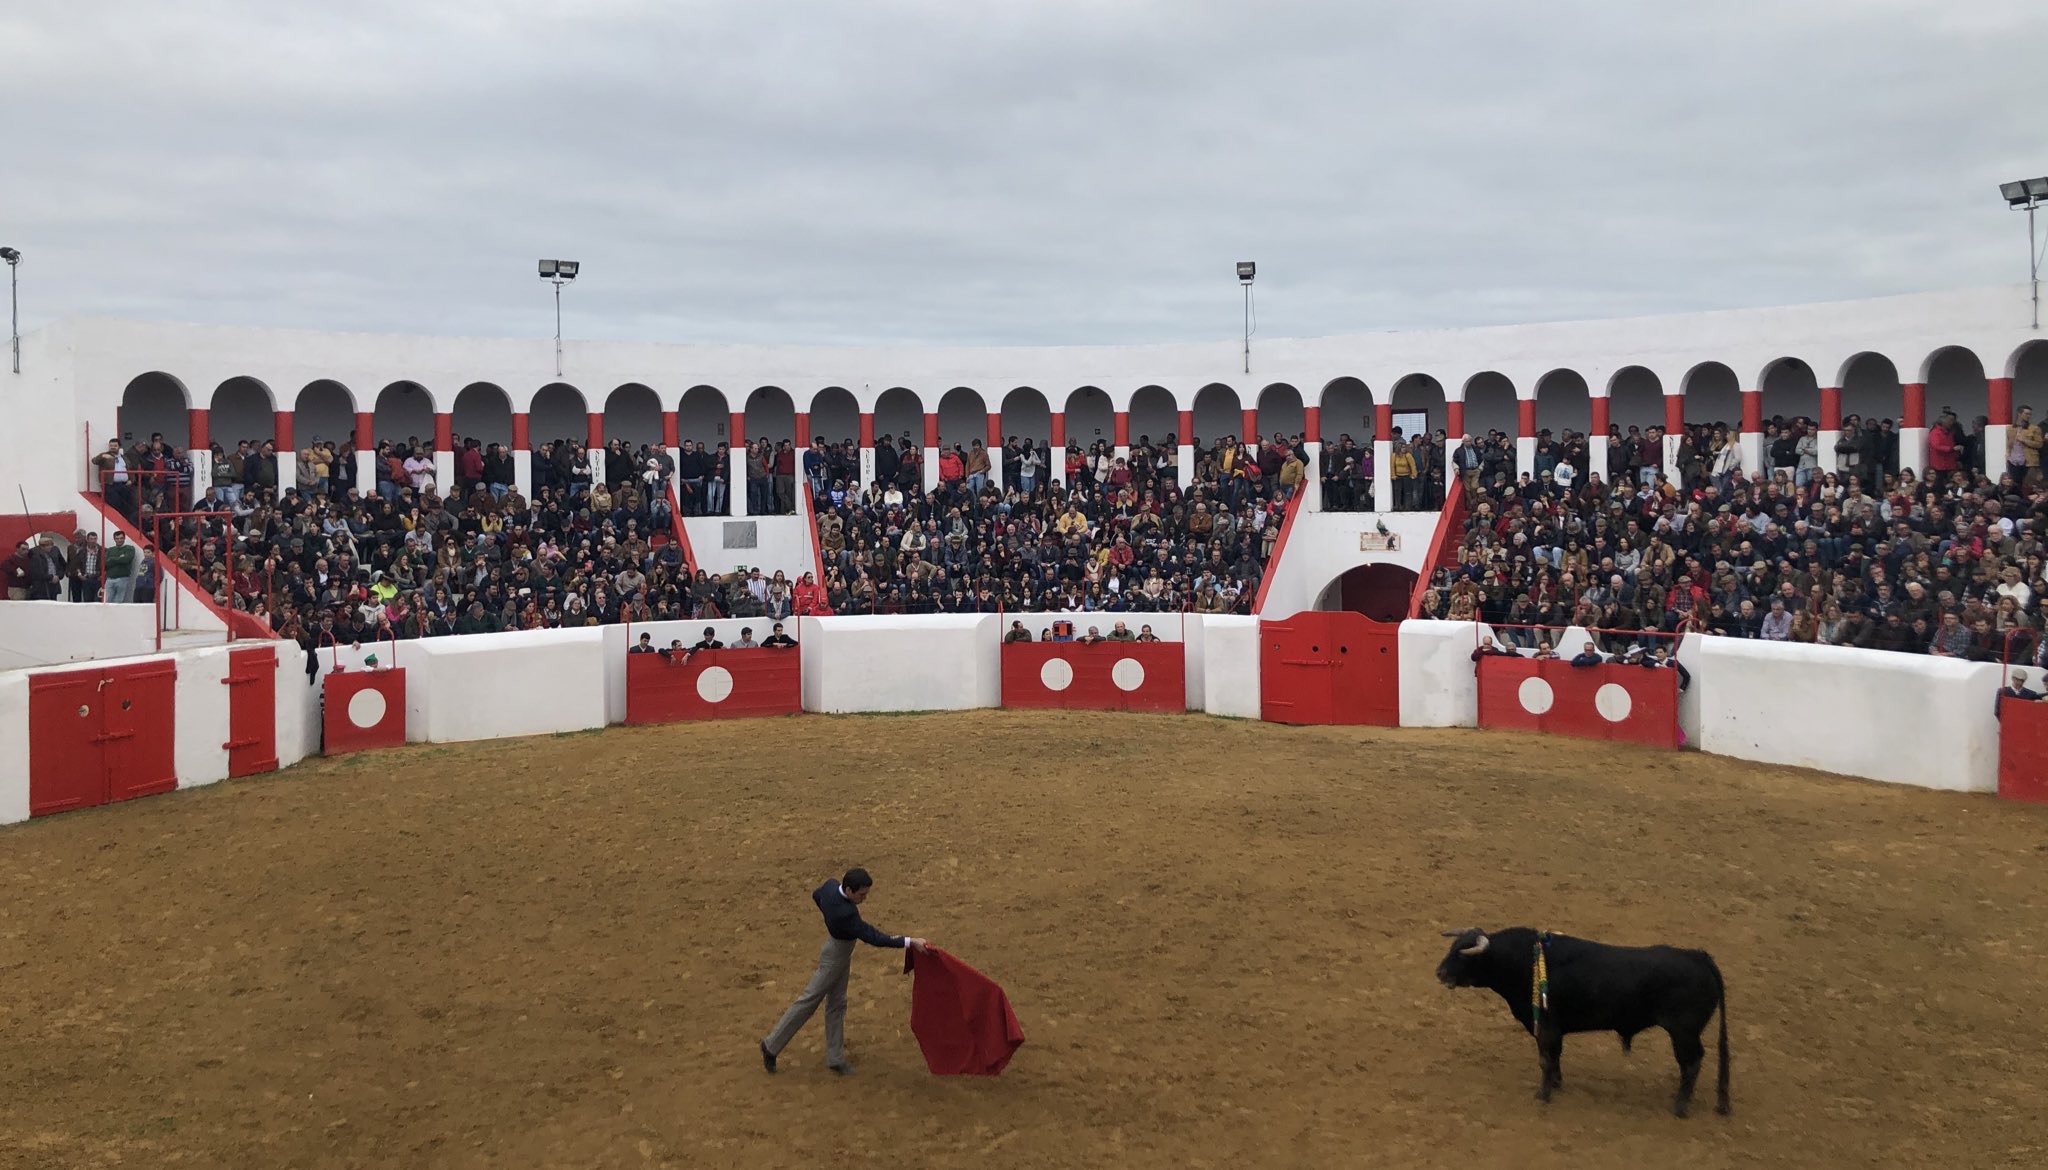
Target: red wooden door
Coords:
[[1330, 667], [139, 729], [252, 711], [64, 770], [1368, 677]]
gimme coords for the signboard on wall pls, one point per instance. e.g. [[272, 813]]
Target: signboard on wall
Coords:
[[1379, 542]]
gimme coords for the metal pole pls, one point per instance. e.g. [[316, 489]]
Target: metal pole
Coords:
[[2033, 274], [1247, 327], [558, 328], [14, 302]]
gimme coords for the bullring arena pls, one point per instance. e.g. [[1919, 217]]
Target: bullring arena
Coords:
[[523, 896]]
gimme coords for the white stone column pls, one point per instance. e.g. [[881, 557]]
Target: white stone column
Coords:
[[202, 473], [1671, 468], [867, 468], [522, 473], [1525, 457], [1752, 445], [1312, 482], [1185, 471], [594, 452], [1383, 474], [366, 474], [444, 472], [736, 480], [931, 468], [1913, 449], [1824, 451], [1997, 437], [1597, 448]]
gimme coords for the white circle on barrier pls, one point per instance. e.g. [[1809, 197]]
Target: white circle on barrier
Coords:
[[1057, 674], [366, 708], [1613, 702], [1536, 696], [715, 684], [1128, 674]]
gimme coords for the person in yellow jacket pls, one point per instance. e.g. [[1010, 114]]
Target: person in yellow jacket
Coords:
[[1406, 478], [1291, 472]]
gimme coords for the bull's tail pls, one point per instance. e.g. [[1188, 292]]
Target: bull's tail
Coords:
[[1721, 1080]]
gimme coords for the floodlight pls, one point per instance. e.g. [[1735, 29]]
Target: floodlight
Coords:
[[1246, 270]]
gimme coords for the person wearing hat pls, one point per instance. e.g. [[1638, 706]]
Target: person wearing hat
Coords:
[[45, 569], [2016, 689]]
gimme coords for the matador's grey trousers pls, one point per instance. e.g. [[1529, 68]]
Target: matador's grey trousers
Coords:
[[829, 985]]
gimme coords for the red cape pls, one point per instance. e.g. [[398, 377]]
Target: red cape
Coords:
[[961, 1019]]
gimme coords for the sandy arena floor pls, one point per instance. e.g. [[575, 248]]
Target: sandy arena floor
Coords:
[[1220, 937]]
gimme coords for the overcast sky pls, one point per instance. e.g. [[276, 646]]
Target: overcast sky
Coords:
[[1030, 172]]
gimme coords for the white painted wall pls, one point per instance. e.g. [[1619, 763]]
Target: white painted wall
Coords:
[[1322, 545], [13, 747], [490, 686], [1871, 713], [1438, 685], [780, 543], [298, 707], [1230, 666], [941, 662], [202, 716], [39, 633]]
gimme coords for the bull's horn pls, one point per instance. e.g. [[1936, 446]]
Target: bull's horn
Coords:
[[1458, 933], [1478, 947]]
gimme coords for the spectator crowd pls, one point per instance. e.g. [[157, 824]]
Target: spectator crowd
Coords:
[[1839, 547]]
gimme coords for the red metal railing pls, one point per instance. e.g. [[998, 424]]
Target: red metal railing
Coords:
[[1443, 544]]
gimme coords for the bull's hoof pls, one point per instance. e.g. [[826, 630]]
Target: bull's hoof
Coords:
[[1722, 1109], [1680, 1109]]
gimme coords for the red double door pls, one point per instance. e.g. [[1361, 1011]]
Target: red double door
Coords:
[[97, 736], [1330, 667]]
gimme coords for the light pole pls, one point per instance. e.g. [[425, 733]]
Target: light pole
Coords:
[[13, 258], [2029, 193], [558, 273], [1245, 271]]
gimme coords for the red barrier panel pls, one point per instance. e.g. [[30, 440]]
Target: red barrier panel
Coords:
[[363, 709], [1330, 667], [714, 684], [1102, 676], [252, 711], [2023, 751], [1628, 704], [101, 735]]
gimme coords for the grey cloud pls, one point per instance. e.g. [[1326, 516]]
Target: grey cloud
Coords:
[[1053, 172]]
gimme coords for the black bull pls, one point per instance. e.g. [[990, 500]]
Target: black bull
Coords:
[[1598, 988]]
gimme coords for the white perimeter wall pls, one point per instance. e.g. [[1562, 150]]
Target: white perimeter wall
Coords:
[[1886, 716], [941, 662], [41, 633], [619, 639], [488, 686], [1230, 666]]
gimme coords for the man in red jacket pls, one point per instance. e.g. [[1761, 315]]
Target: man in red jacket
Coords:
[[839, 901]]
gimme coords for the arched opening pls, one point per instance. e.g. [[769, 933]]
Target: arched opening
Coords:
[[1790, 393], [1155, 420], [405, 415], [899, 415], [1635, 401], [1027, 416], [1955, 383], [1489, 406], [703, 417], [2029, 370], [771, 430], [559, 414], [1712, 396], [835, 416], [1563, 403], [1217, 415], [155, 404], [483, 411], [325, 413], [242, 408], [963, 418], [1871, 391], [632, 414], [1090, 417], [1347, 412], [1379, 591], [1280, 412]]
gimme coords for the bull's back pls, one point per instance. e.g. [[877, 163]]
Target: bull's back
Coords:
[[1595, 987]]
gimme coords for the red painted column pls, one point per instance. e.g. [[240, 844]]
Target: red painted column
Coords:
[[199, 423], [803, 429], [1599, 426], [444, 431], [672, 429], [867, 429], [1120, 429], [1312, 424], [931, 429], [593, 429], [281, 433], [995, 432], [1251, 426], [1186, 423], [1999, 408], [366, 429], [1831, 408], [1382, 421], [1674, 413], [1059, 434], [1525, 409], [1915, 412], [1454, 420], [1752, 412], [736, 430], [520, 440]]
